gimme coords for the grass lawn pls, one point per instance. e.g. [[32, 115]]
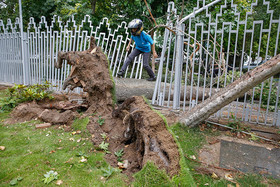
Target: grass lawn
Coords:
[[31, 153]]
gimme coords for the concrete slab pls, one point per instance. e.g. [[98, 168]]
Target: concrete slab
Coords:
[[250, 159]]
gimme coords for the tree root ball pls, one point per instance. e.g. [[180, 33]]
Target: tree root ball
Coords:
[[132, 127]]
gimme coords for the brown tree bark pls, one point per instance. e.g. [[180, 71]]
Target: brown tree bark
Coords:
[[93, 5], [228, 94]]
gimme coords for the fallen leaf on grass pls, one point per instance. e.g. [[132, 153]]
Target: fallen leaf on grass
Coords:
[[59, 182], [51, 152], [69, 160], [2, 148], [214, 176], [229, 176], [79, 140], [15, 181], [71, 139], [192, 157], [73, 133], [202, 127], [83, 160]]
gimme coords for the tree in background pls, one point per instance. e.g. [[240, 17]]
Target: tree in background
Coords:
[[115, 10]]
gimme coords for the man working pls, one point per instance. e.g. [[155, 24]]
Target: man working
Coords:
[[143, 43]]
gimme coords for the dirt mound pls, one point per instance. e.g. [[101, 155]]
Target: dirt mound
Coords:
[[56, 111], [25, 112], [132, 127], [141, 133]]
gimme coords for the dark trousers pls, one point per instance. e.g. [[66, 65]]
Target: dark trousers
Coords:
[[146, 57]]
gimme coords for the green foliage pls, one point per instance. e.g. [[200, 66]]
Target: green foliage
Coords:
[[119, 155], [100, 121], [265, 94], [21, 93], [150, 175], [50, 176], [104, 136], [237, 125], [228, 78], [253, 137], [104, 146], [82, 154], [15, 181], [108, 172]]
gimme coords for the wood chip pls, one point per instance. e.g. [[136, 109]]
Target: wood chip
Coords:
[[76, 80], [83, 83], [93, 51], [72, 71]]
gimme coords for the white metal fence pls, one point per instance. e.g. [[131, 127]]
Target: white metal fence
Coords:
[[208, 53], [43, 41]]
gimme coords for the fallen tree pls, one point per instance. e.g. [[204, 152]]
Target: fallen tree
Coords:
[[126, 88], [233, 91], [133, 126]]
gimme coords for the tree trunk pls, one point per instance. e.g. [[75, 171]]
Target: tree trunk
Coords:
[[238, 88], [126, 88], [93, 6]]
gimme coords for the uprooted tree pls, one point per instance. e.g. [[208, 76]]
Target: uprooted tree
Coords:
[[133, 126]]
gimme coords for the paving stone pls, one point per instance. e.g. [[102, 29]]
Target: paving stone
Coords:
[[250, 159]]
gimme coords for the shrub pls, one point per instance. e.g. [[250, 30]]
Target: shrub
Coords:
[[22, 93]]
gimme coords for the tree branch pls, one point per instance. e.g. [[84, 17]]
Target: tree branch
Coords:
[[150, 12]]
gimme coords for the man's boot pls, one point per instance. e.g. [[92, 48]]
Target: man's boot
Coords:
[[120, 74], [152, 78]]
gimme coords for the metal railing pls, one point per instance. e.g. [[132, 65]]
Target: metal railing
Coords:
[[207, 53], [43, 41]]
